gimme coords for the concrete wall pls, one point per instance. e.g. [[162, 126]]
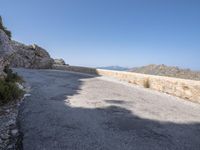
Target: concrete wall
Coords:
[[187, 89]]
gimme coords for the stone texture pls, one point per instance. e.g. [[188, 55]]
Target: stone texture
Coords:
[[3, 28], [186, 89], [31, 56], [6, 50], [59, 61], [169, 71], [9, 133]]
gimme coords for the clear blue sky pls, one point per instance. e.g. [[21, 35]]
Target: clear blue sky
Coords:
[[109, 32]]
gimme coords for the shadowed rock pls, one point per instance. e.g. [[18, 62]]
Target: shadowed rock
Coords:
[[30, 56]]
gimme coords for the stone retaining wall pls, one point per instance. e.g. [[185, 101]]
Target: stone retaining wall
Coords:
[[186, 89]]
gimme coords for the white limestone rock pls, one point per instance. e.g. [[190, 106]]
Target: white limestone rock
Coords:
[[59, 61], [6, 51], [30, 56]]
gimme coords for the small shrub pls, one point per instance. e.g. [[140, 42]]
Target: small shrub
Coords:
[[146, 83], [12, 77], [9, 91]]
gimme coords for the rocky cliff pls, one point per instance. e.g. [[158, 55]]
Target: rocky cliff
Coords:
[[30, 56], [15, 54], [6, 51], [6, 31], [20, 55]]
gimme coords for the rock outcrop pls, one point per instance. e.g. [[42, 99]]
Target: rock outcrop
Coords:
[[16, 55], [6, 50], [31, 56], [3, 28], [59, 61], [19, 55]]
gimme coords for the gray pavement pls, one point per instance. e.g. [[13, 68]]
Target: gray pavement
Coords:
[[71, 111]]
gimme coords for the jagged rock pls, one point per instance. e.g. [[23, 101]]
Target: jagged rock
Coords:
[[19, 55], [9, 131], [6, 31], [1, 21], [16, 55], [59, 62], [31, 56], [6, 51]]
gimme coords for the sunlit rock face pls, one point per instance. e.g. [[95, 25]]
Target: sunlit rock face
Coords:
[[6, 50], [19, 55], [59, 61], [30, 56]]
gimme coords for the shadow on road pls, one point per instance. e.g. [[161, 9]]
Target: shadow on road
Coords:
[[48, 121]]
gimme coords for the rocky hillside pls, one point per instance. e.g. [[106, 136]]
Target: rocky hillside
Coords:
[[15, 54], [6, 50], [2, 27], [30, 56], [20, 55], [163, 70]]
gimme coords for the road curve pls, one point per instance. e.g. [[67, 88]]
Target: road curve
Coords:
[[71, 111]]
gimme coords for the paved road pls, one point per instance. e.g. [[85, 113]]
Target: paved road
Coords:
[[70, 111]]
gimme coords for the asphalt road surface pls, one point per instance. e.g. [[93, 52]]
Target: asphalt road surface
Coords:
[[72, 111]]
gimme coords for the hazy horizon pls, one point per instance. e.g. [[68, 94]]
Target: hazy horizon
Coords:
[[144, 66], [110, 33]]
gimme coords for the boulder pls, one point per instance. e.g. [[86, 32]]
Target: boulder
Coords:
[[6, 51], [59, 61], [30, 56]]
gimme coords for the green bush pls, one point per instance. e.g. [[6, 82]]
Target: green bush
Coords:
[[9, 91], [12, 77]]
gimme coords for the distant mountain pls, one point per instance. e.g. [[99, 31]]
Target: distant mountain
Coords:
[[163, 70], [117, 68]]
